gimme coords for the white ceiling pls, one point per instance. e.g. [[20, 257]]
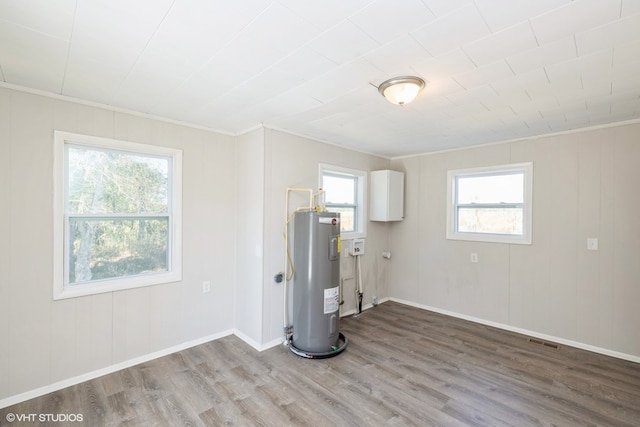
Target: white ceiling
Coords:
[[496, 69]]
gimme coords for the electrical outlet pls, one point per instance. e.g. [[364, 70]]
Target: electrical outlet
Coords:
[[206, 287], [474, 257]]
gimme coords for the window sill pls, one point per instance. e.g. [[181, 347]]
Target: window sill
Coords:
[[352, 235], [113, 285], [490, 238]]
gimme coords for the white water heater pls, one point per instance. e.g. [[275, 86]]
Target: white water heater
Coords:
[[316, 285]]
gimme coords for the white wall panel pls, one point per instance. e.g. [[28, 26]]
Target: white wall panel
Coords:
[[30, 206], [293, 161], [64, 360], [626, 241], [403, 265], [529, 275], [249, 190], [166, 306], [605, 313], [131, 324], [98, 346], [459, 286], [218, 222], [588, 262], [584, 186], [6, 187], [48, 341], [563, 202]]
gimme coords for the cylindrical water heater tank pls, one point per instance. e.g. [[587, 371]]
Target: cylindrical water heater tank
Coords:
[[316, 281]]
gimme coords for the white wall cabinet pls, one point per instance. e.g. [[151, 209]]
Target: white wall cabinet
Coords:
[[387, 196]]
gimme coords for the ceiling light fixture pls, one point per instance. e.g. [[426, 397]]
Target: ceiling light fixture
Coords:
[[401, 90]]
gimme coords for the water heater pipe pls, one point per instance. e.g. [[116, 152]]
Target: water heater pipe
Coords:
[[359, 292]]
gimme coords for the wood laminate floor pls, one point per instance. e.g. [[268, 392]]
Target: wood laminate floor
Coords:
[[403, 366]]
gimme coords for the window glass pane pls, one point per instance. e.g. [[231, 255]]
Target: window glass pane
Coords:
[[490, 220], [502, 188], [339, 189], [491, 204], [105, 249], [106, 181], [345, 191], [347, 217]]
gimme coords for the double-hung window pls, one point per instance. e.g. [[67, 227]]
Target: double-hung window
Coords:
[[344, 193], [117, 215], [491, 204]]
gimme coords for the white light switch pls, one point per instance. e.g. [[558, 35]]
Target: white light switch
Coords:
[[592, 243]]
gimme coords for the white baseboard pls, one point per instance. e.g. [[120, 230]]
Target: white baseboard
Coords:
[[545, 337], [364, 308], [12, 400], [253, 343], [244, 337], [273, 343], [280, 340]]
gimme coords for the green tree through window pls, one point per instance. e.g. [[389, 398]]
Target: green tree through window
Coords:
[[117, 213]]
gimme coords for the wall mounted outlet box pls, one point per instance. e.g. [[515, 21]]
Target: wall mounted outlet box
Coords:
[[357, 247]]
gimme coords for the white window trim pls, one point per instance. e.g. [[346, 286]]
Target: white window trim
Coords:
[[525, 238], [60, 291], [361, 218]]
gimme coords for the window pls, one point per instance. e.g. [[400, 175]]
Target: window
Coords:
[[117, 215], [490, 204], [344, 193]]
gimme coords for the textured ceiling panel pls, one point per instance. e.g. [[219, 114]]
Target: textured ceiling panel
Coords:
[[495, 69]]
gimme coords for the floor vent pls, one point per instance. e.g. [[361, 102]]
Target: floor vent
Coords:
[[544, 343]]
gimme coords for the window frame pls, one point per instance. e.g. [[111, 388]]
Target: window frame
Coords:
[[527, 206], [61, 289], [360, 179]]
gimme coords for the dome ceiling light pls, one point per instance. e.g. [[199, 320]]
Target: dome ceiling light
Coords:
[[401, 90]]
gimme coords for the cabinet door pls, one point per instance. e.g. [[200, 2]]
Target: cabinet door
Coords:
[[387, 196]]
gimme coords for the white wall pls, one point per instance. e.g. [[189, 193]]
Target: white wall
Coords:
[[6, 215], [249, 235], [233, 217], [234, 197], [292, 161], [585, 185], [45, 341], [268, 162]]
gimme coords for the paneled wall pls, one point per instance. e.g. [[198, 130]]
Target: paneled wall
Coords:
[[585, 185], [249, 236], [233, 217], [44, 341], [293, 161]]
